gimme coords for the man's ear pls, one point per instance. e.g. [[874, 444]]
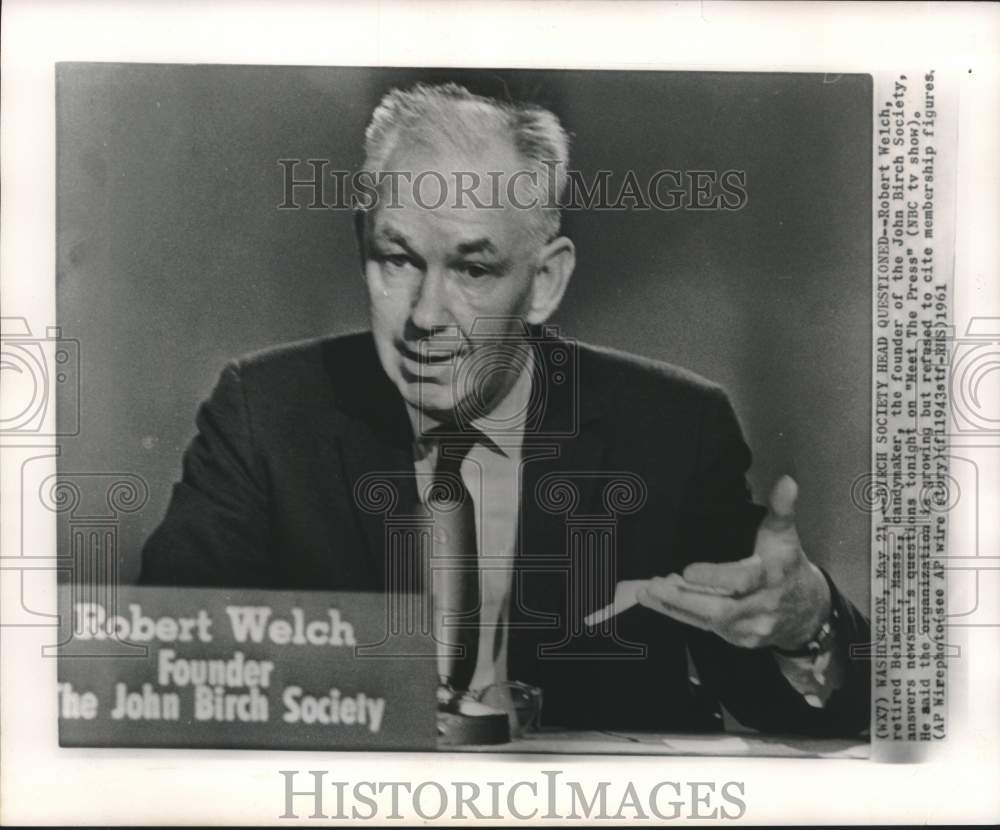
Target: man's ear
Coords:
[[361, 225], [556, 262]]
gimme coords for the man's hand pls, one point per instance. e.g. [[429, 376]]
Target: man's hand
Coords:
[[776, 597]]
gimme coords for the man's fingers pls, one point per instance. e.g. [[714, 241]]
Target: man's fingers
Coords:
[[782, 504], [665, 595], [651, 600], [739, 578]]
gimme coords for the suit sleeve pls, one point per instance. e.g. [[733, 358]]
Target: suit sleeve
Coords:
[[720, 521], [215, 529]]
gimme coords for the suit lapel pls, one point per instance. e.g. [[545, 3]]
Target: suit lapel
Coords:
[[380, 479], [375, 449]]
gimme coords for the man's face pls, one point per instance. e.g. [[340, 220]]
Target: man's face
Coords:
[[450, 288]]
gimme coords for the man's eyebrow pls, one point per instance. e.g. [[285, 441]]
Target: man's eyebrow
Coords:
[[483, 245], [390, 234]]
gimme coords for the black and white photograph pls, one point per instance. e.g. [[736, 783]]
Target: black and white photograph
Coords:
[[457, 428], [530, 358]]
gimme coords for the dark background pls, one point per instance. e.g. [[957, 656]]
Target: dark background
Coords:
[[173, 256]]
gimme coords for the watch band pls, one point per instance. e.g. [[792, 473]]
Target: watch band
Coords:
[[818, 643]]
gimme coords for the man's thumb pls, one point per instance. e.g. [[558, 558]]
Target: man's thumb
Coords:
[[783, 496]]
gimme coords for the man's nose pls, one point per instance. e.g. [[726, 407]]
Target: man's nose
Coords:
[[430, 304]]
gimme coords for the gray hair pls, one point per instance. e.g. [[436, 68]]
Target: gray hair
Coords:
[[448, 115]]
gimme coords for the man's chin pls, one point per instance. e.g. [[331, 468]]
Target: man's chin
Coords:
[[436, 399], [433, 400]]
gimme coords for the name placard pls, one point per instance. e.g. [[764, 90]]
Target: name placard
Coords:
[[181, 667]]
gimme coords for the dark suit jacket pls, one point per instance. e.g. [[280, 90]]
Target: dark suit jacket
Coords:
[[653, 453]]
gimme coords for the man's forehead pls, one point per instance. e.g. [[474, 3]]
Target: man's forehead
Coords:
[[393, 232], [480, 221], [494, 177], [492, 153], [462, 234]]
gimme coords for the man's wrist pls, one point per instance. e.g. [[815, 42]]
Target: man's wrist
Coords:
[[820, 642], [817, 632]]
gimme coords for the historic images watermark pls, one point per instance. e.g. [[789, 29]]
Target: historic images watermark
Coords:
[[311, 184], [312, 794]]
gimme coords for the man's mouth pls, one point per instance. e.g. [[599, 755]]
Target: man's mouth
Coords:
[[429, 355]]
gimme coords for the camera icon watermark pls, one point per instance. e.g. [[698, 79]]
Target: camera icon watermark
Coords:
[[975, 359], [40, 372], [484, 366]]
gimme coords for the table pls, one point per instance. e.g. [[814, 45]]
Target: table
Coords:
[[647, 743]]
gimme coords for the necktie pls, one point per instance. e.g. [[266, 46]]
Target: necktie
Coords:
[[455, 576]]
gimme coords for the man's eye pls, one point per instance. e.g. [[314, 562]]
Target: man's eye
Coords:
[[474, 270], [396, 260]]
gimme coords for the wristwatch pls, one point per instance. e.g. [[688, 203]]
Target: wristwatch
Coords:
[[816, 645]]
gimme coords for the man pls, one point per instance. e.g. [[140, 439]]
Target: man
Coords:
[[557, 469]]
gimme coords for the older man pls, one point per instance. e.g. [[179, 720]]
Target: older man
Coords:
[[549, 470]]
